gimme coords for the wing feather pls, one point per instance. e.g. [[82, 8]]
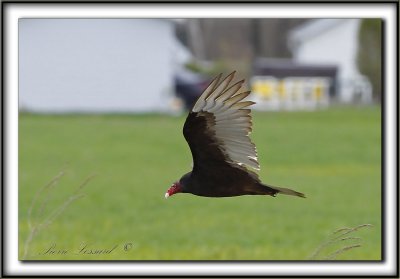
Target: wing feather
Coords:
[[218, 127], [235, 99], [202, 99], [230, 91]]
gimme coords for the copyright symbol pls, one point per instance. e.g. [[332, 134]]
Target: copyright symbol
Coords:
[[128, 246]]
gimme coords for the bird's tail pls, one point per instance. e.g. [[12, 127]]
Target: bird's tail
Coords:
[[285, 191]]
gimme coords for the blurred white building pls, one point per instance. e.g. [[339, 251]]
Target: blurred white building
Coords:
[[97, 65], [333, 42]]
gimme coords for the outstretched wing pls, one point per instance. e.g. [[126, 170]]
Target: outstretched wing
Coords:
[[218, 127]]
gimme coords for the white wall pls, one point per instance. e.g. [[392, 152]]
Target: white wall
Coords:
[[336, 45], [95, 65]]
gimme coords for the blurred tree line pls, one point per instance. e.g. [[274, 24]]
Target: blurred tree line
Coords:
[[234, 42], [370, 53]]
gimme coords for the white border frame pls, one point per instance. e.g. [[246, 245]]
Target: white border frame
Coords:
[[12, 12]]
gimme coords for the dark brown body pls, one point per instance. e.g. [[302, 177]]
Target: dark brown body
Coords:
[[224, 181]]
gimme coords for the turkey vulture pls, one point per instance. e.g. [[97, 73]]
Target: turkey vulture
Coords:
[[217, 130]]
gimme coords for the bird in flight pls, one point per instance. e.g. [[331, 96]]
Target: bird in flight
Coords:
[[217, 130]]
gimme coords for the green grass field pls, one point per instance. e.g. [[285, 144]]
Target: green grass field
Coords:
[[333, 156]]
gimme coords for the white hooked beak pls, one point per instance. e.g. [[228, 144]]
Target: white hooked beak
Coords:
[[166, 195]]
